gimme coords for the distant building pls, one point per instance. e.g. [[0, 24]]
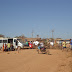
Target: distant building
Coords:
[[67, 41], [58, 40], [32, 39], [50, 40]]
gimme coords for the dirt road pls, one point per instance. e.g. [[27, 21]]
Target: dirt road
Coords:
[[30, 61]]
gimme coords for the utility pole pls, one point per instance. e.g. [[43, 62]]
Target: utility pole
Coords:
[[37, 36], [47, 36], [32, 35], [52, 33]]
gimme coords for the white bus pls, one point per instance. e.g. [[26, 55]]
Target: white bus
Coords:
[[10, 40], [3, 40]]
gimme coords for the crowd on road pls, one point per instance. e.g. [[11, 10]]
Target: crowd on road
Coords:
[[39, 45]]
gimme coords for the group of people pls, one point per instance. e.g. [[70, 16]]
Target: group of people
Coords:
[[64, 45], [29, 43], [9, 46], [34, 43]]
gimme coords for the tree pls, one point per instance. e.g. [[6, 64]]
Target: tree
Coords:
[[2, 35]]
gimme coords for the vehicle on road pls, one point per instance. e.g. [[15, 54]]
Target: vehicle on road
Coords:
[[11, 41]]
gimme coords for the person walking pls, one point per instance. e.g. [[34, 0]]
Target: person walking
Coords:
[[39, 47], [19, 47]]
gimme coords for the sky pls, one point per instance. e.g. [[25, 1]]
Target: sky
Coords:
[[21, 17]]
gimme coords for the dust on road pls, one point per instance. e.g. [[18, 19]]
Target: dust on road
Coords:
[[30, 61]]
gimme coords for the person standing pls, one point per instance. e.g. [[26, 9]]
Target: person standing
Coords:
[[8, 46], [12, 47], [42, 44], [63, 45], [5, 47], [16, 44], [71, 44], [30, 44], [27, 43]]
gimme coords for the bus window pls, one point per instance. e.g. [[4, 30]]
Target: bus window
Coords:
[[10, 41], [14, 40], [0, 41], [4, 41]]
